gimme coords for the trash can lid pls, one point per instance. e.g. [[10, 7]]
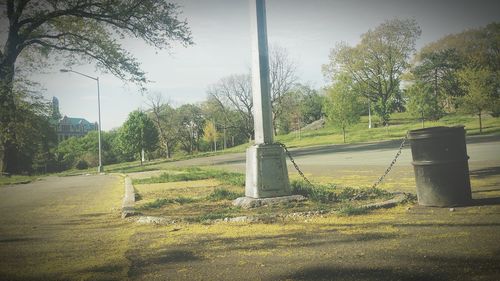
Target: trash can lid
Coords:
[[433, 132]]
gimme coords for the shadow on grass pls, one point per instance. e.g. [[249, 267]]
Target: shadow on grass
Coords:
[[485, 172], [144, 262], [360, 274], [485, 201], [140, 264], [448, 268]]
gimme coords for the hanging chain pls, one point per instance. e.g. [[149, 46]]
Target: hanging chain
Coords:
[[293, 162], [373, 186], [392, 163]]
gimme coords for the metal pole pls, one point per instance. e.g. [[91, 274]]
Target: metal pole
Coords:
[[369, 115], [99, 168]]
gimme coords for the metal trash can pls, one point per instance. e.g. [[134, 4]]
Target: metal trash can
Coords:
[[441, 166]]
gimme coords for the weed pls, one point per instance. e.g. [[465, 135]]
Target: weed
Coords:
[[332, 193], [160, 202], [223, 194], [350, 210]]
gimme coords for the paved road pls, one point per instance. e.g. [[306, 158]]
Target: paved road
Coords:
[[62, 228], [484, 151]]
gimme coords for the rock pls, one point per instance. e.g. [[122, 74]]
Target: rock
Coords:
[[452, 209], [247, 202]]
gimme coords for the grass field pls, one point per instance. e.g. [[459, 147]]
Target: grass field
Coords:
[[400, 124]]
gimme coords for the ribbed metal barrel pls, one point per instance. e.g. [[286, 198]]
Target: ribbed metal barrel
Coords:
[[441, 166]]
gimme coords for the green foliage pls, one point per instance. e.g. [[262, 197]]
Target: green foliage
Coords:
[[33, 136], [81, 164], [301, 106], [138, 133], [190, 129], [224, 194], [351, 210], [342, 104], [332, 193], [78, 32], [423, 103], [210, 134], [377, 63], [481, 91]]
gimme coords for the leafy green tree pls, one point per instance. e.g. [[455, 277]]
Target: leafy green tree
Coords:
[[77, 30], [191, 123], [480, 87], [377, 62], [210, 134], [438, 69], [342, 104], [423, 103], [138, 134], [35, 137]]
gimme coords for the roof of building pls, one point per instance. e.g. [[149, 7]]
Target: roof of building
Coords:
[[74, 121]]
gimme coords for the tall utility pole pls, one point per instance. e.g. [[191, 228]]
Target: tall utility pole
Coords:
[[100, 168], [266, 171]]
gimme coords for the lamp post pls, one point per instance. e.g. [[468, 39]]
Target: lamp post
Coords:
[[100, 167]]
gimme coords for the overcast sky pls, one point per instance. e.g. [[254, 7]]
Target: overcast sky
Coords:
[[221, 32]]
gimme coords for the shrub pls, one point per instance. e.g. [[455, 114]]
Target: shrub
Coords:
[[81, 164]]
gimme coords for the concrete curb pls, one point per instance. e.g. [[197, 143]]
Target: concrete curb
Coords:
[[129, 199]]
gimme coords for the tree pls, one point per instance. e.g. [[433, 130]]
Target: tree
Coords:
[[190, 127], [376, 64], [78, 30], [301, 105], [165, 119], [480, 87], [235, 93], [342, 104], [210, 134], [282, 72], [138, 134], [423, 103], [438, 69], [35, 137]]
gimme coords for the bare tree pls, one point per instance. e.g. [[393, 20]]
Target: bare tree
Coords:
[[234, 92], [164, 120], [282, 71]]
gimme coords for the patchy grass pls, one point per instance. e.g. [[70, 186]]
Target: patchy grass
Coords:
[[208, 196], [16, 179], [221, 193], [351, 210], [193, 174], [335, 193]]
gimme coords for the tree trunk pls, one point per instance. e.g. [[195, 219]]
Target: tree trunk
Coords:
[[343, 132], [7, 119], [480, 123]]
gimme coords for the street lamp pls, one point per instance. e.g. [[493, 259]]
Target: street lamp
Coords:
[[100, 167]]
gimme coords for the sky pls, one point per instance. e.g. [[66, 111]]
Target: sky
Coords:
[[221, 33]]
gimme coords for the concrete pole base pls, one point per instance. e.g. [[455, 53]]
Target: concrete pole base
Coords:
[[266, 172]]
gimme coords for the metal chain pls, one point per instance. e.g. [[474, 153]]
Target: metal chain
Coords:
[[373, 186], [293, 162], [392, 163]]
